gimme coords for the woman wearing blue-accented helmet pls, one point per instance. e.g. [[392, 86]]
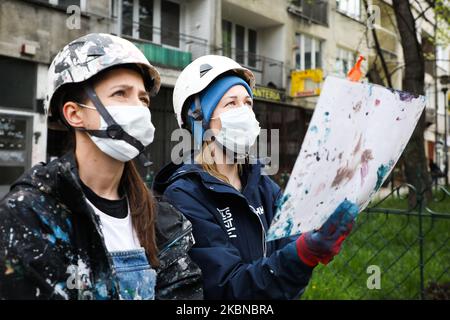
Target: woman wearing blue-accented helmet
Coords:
[[228, 201]]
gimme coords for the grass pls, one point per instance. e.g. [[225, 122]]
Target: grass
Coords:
[[391, 242]]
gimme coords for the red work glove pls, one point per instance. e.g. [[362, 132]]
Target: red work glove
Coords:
[[323, 244]]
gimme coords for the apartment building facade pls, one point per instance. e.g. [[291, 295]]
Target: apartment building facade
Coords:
[[31, 33], [290, 45]]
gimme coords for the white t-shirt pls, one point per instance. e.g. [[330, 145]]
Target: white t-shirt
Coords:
[[119, 233]]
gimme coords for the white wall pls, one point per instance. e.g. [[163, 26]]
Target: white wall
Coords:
[[271, 42], [199, 21]]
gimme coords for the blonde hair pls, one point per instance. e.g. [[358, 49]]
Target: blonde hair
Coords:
[[206, 159]]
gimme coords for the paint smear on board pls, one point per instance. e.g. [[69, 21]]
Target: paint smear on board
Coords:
[[346, 156]]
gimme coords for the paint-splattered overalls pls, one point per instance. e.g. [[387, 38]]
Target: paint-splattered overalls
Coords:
[[52, 247], [136, 278]]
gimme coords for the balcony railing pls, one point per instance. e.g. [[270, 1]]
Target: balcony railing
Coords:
[[165, 47], [311, 11], [268, 72]]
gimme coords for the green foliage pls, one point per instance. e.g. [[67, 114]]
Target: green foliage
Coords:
[[390, 241]]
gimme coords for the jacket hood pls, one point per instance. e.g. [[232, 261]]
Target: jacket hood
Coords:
[[58, 178], [172, 172]]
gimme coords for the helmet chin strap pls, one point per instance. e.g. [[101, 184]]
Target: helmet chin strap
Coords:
[[114, 130], [197, 128]]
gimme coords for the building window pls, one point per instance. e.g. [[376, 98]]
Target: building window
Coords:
[[309, 52], [351, 8], [252, 48], [227, 40], [146, 20], [19, 87], [170, 23], [138, 20], [127, 17], [345, 59], [244, 40], [313, 11], [240, 44]]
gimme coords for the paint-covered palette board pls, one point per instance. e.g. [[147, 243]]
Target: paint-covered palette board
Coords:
[[356, 136]]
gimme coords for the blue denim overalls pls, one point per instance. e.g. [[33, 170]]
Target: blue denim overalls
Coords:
[[136, 278]]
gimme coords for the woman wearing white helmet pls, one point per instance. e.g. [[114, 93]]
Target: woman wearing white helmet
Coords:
[[85, 226], [231, 205]]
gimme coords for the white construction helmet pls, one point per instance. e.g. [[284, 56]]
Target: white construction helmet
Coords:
[[199, 74], [84, 57]]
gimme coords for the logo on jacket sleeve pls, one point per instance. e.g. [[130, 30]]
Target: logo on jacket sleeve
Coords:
[[228, 221], [259, 211]]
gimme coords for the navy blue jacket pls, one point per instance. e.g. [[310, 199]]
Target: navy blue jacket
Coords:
[[229, 228]]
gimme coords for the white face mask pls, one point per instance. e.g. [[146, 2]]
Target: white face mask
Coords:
[[239, 129], [136, 121]]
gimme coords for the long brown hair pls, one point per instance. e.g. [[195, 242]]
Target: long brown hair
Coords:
[[206, 159], [143, 211], [141, 200]]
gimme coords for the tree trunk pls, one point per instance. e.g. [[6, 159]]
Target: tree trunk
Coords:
[[416, 169]]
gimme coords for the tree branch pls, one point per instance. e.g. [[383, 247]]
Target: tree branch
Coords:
[[378, 49], [423, 12]]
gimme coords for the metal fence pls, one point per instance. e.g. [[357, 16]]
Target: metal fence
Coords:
[[393, 252]]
